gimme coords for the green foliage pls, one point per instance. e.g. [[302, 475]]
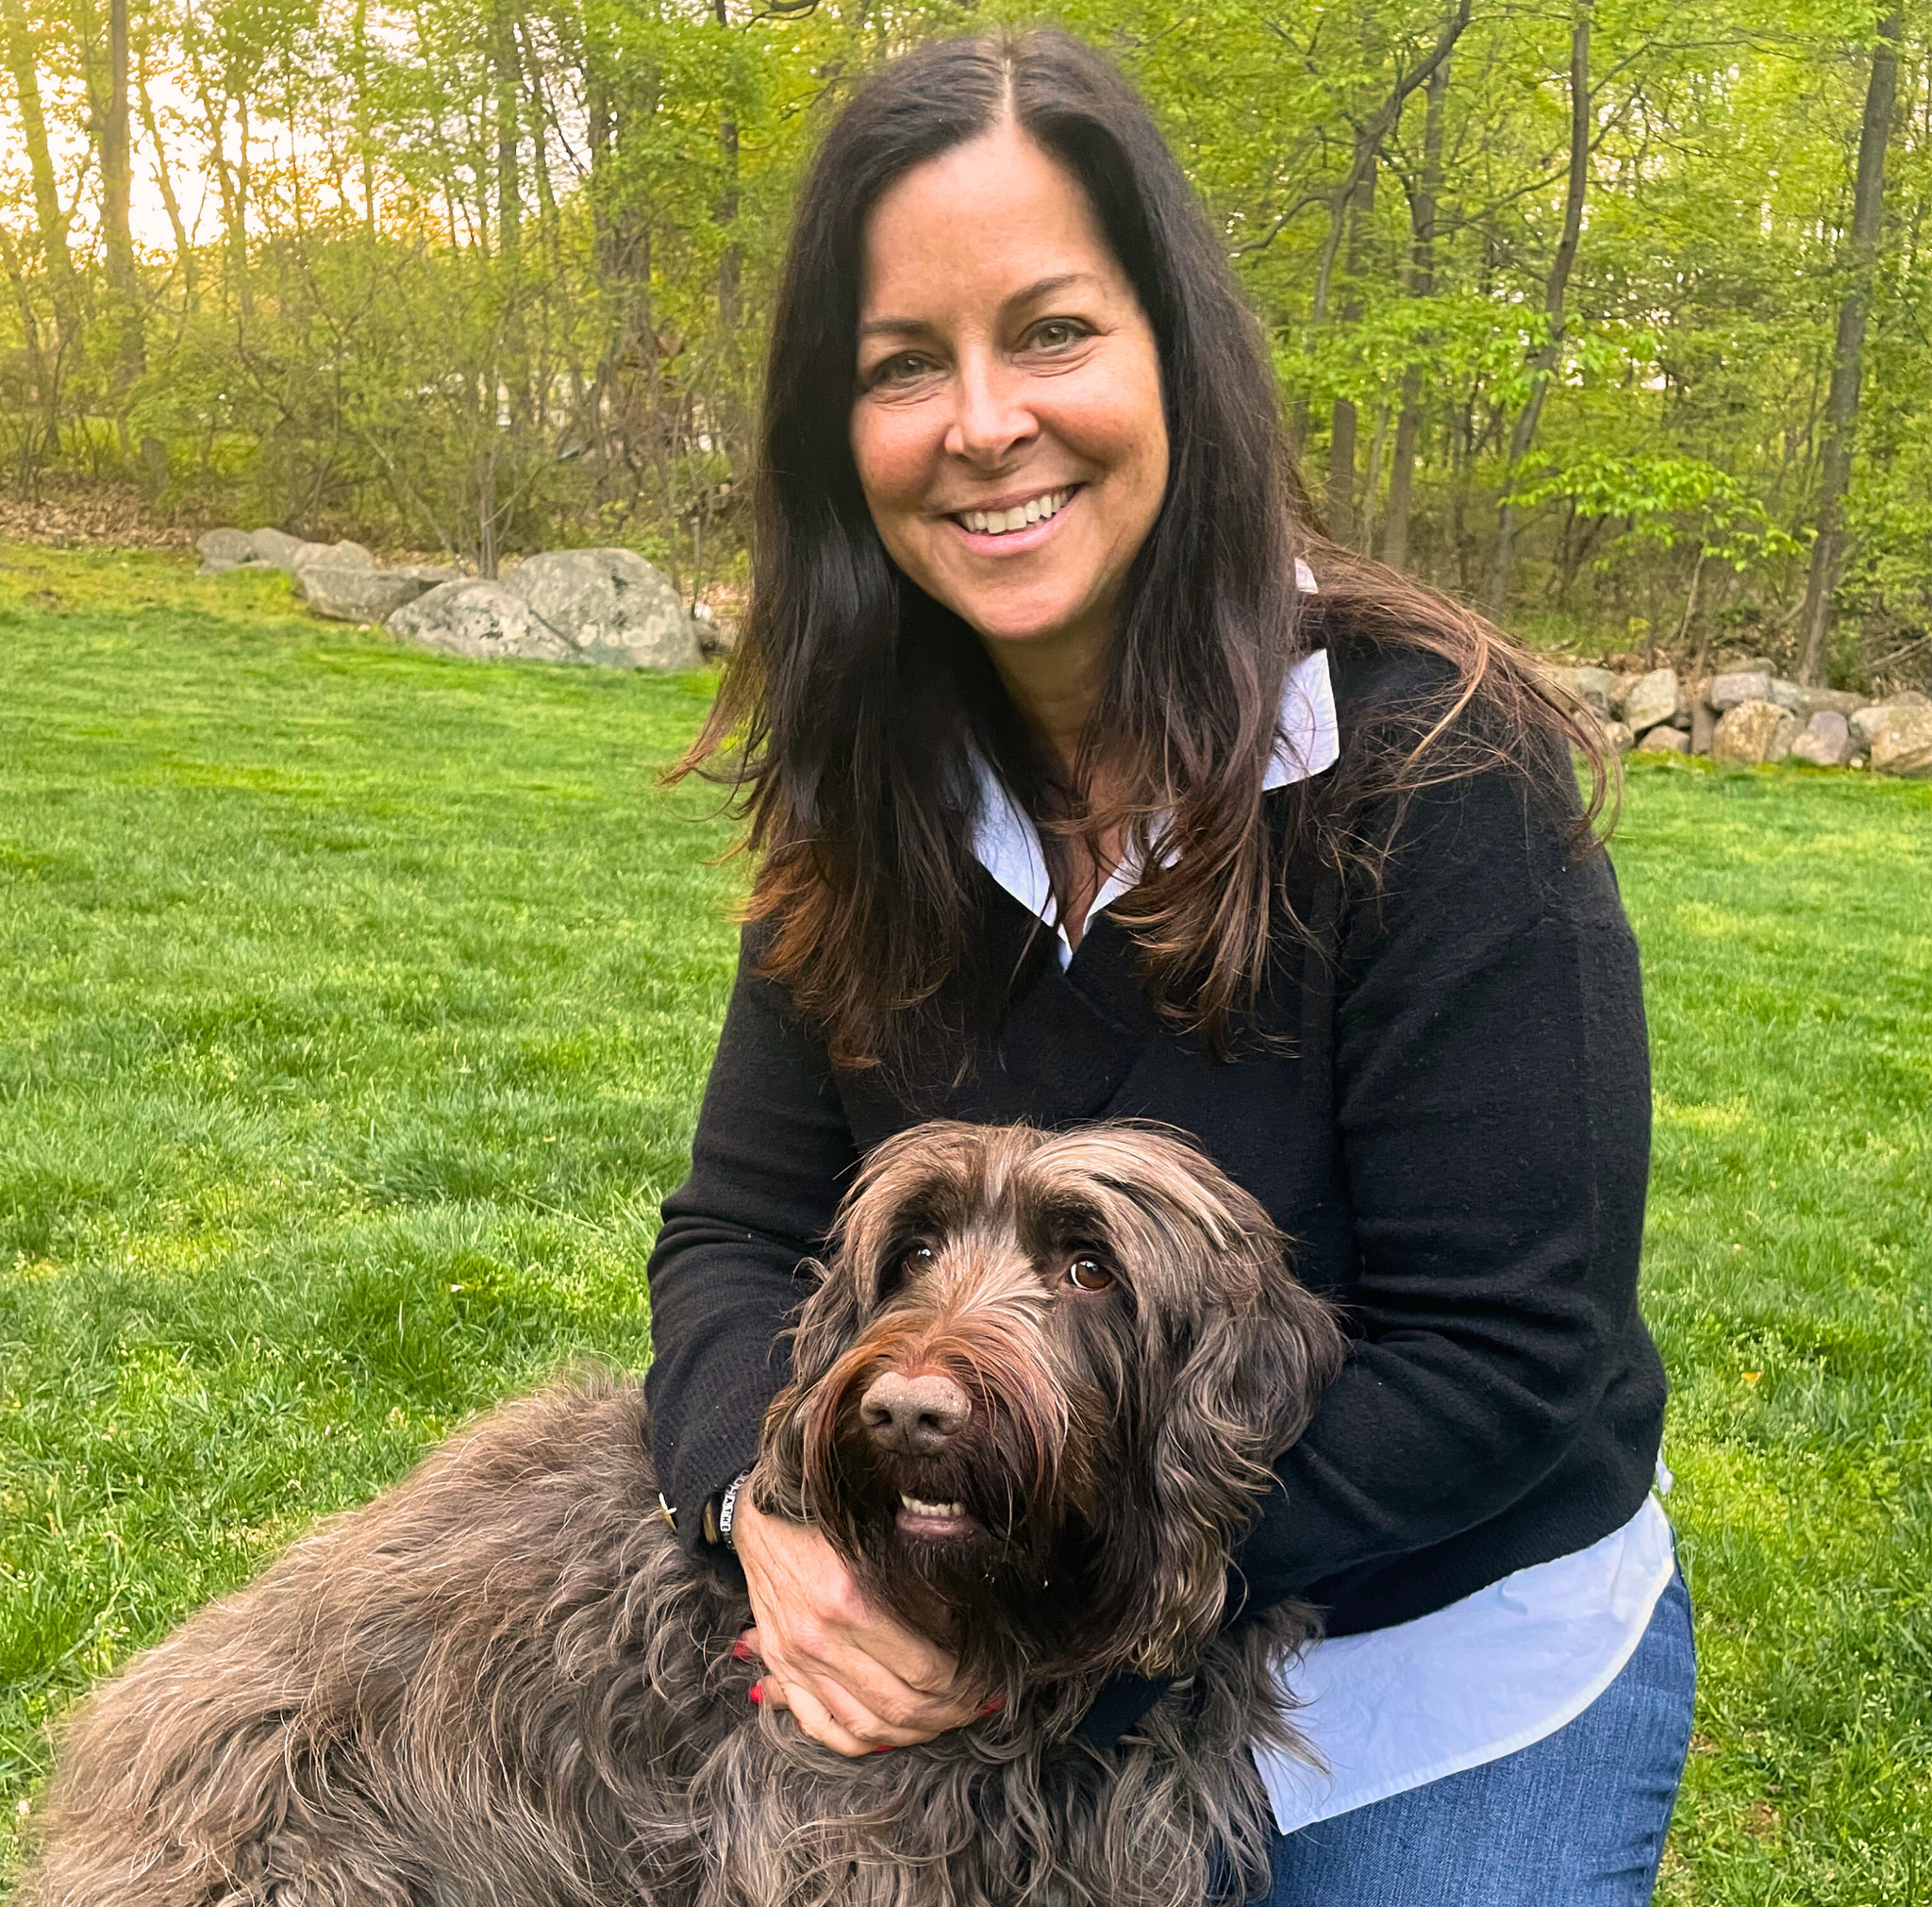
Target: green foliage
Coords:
[[483, 274], [360, 1003]]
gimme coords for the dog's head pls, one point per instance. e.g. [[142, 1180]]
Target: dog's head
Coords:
[[1035, 1397]]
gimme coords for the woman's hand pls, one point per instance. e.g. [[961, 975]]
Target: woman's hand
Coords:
[[853, 1679]]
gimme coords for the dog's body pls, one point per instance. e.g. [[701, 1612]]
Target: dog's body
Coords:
[[504, 1682]]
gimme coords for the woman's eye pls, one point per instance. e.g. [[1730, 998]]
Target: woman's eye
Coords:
[[899, 370], [1089, 1274], [1057, 333]]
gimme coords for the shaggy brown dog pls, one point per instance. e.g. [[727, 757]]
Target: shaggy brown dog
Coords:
[[1034, 1401]]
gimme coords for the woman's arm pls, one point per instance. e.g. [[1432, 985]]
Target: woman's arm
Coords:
[[1492, 1108], [772, 1154]]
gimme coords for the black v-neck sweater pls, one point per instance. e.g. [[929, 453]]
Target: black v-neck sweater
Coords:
[[1454, 1129]]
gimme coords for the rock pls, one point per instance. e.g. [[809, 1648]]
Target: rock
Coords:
[[609, 606], [1844, 702], [1903, 742], [225, 549], [1754, 732], [1865, 723], [429, 573], [1651, 701], [1909, 698], [1663, 739], [275, 545], [1596, 689], [358, 596], [1703, 726], [330, 556], [1827, 741], [1856, 762], [1731, 690], [1618, 736], [1747, 665], [475, 617], [1785, 694]]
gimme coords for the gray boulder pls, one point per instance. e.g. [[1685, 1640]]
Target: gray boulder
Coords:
[[1865, 723], [1754, 732], [1652, 699], [606, 606], [1785, 694], [328, 556], [1663, 739], [1901, 743], [1846, 702], [225, 549], [350, 595], [1826, 740], [1617, 736], [1732, 690], [276, 547], [609, 606], [1594, 688], [474, 617]]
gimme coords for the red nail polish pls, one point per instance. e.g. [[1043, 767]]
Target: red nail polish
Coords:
[[757, 1693], [995, 1703], [885, 1748], [741, 1650]]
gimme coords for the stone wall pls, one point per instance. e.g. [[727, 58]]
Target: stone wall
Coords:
[[1746, 715]]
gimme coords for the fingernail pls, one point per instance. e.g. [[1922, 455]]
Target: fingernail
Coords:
[[995, 1703], [884, 1748], [758, 1692], [741, 1650]]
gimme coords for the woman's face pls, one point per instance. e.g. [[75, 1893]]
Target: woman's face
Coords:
[[1008, 429]]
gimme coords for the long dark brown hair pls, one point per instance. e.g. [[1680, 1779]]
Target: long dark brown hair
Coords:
[[853, 707]]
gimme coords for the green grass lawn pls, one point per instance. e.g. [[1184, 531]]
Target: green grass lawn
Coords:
[[359, 1002]]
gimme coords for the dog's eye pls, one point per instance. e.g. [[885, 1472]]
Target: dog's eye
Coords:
[[1089, 1274], [918, 1258]]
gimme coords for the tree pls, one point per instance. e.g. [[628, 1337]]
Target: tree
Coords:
[[1842, 405]]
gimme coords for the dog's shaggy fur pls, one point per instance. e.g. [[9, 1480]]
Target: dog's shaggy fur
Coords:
[[504, 1683]]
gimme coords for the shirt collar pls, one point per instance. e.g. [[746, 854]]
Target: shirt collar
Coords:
[[1007, 843]]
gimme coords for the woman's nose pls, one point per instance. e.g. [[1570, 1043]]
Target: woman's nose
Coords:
[[990, 415]]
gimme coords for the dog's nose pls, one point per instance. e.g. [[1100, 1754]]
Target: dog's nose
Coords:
[[915, 1417]]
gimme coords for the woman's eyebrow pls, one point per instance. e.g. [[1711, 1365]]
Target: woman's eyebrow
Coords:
[[917, 327]]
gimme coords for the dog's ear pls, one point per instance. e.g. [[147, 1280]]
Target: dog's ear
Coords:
[[1246, 1387], [831, 1318]]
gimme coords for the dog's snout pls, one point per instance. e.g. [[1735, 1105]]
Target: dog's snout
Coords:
[[916, 1416]]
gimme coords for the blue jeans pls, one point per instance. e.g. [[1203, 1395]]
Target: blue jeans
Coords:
[[1577, 1819]]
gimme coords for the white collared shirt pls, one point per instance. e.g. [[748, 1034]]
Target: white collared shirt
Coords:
[[1391, 1709]]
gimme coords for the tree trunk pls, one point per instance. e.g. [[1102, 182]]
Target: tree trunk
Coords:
[[507, 70], [184, 251], [1368, 150], [1422, 284], [1555, 289], [1842, 405], [117, 183], [48, 216], [1344, 422]]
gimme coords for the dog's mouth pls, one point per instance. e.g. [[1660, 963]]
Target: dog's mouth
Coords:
[[936, 1522]]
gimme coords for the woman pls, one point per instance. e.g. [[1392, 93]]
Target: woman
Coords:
[[1080, 792]]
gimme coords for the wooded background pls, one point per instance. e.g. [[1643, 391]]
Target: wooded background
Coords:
[[1609, 315]]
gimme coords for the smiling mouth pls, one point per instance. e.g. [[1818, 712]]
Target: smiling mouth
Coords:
[[1021, 516], [935, 1521]]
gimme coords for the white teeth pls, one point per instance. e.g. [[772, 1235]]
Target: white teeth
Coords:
[[919, 1508], [998, 522]]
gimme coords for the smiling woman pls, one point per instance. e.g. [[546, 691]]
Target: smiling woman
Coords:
[[1090, 782], [1008, 429]]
